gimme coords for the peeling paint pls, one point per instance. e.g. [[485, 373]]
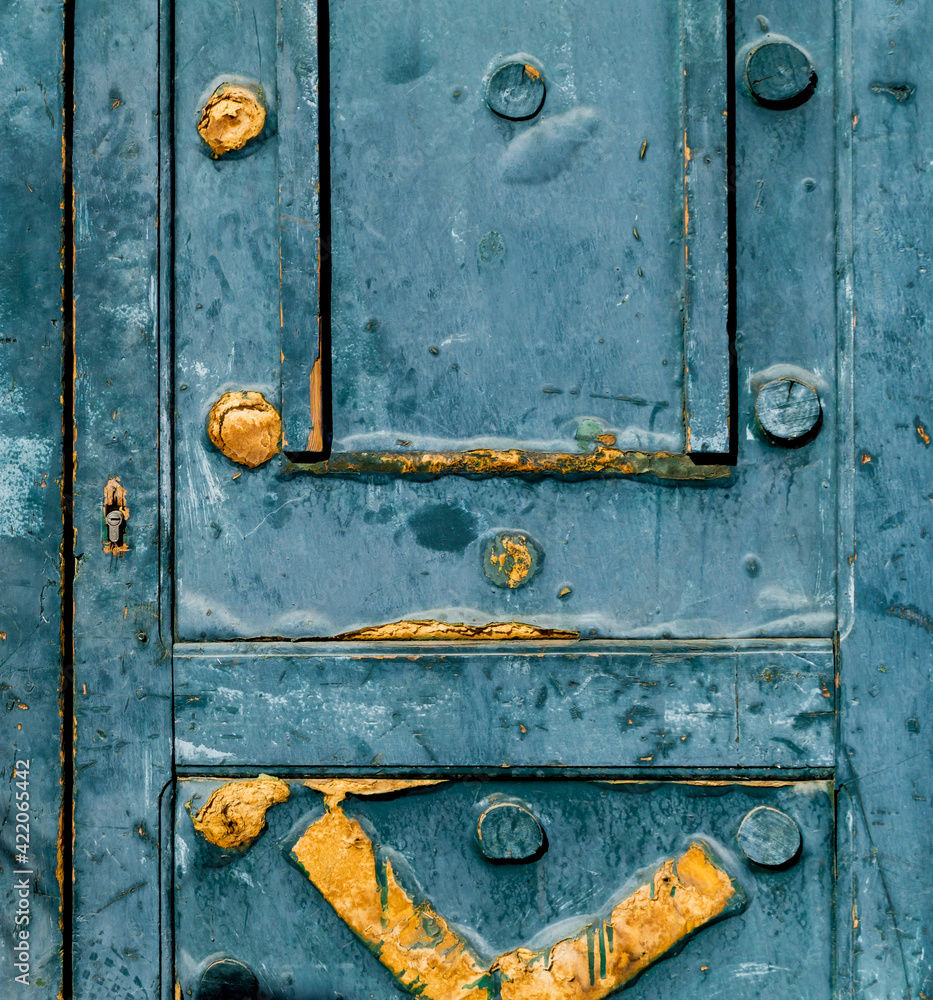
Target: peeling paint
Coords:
[[511, 559], [412, 941], [235, 814], [432, 960], [232, 116], [459, 631], [245, 427], [115, 499], [603, 460], [23, 462], [683, 896], [335, 790]]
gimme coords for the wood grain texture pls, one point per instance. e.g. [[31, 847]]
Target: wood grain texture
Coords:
[[31, 130]]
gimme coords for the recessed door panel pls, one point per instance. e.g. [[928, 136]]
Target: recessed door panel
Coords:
[[502, 273], [502, 888]]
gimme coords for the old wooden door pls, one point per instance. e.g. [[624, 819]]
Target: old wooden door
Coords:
[[501, 565]]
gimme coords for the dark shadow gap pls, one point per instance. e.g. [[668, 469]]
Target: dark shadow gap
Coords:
[[324, 290], [732, 253]]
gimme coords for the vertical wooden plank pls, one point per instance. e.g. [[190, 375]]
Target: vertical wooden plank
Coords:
[[706, 229], [886, 741], [122, 719], [31, 129], [302, 256]]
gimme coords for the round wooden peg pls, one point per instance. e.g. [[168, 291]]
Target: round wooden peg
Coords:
[[770, 837], [245, 427], [779, 74], [516, 91], [228, 979], [789, 411], [508, 831]]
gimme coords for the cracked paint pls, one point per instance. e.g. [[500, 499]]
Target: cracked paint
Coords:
[[235, 814], [459, 631], [434, 961], [245, 427]]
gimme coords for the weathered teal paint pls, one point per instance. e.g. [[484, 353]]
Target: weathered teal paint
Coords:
[[772, 624], [31, 337]]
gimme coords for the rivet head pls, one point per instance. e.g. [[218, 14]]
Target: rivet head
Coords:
[[515, 91], [233, 115], [769, 837], [228, 979], [789, 411], [779, 74], [508, 831], [245, 427], [511, 559]]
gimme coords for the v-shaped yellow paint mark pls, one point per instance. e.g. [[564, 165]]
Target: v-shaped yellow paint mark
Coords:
[[429, 958]]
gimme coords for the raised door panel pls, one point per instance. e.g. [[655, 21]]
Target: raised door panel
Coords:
[[614, 526]]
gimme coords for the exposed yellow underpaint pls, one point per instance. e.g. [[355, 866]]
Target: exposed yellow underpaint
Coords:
[[683, 896], [232, 117], [115, 499], [245, 427], [316, 435], [514, 560], [335, 790], [235, 814], [409, 938], [530, 71], [433, 961], [434, 630], [486, 462]]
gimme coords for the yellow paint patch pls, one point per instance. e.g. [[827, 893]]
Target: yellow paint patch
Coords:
[[245, 427], [682, 897], [922, 432], [531, 72], [413, 942], [486, 462], [235, 814], [434, 630], [518, 552], [335, 790], [232, 117], [429, 958]]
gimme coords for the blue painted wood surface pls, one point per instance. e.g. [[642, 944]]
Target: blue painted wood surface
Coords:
[[830, 219], [563, 705], [122, 682], [31, 127], [885, 754], [600, 838]]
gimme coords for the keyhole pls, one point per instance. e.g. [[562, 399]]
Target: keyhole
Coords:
[[114, 521]]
